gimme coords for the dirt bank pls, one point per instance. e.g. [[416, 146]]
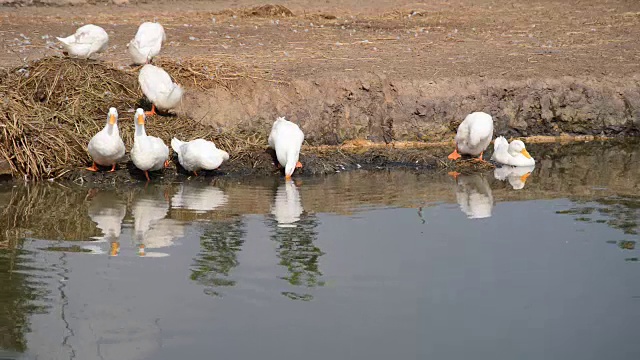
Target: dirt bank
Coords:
[[378, 108], [384, 72]]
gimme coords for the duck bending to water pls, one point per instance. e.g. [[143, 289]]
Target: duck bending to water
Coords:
[[106, 147], [286, 139], [147, 42], [149, 153], [158, 87], [87, 40], [474, 136], [514, 153], [198, 154]]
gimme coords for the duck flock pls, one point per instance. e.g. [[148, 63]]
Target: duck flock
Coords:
[[150, 153]]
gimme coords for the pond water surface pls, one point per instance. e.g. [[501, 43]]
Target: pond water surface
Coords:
[[358, 265]]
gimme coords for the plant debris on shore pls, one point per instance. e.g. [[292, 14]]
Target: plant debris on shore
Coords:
[[52, 107]]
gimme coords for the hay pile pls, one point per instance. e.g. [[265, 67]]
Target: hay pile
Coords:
[[52, 107]]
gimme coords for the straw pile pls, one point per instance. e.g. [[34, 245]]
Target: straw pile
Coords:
[[52, 107]]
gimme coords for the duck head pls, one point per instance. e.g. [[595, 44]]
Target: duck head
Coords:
[[138, 121], [112, 120], [517, 147]]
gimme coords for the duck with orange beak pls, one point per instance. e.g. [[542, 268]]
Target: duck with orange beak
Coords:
[[514, 153], [106, 147], [149, 153]]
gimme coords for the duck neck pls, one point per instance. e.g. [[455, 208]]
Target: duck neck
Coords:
[[111, 128], [140, 130]]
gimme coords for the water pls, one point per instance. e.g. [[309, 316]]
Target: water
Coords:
[[359, 265]]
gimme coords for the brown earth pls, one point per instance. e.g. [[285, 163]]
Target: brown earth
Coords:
[[378, 70]]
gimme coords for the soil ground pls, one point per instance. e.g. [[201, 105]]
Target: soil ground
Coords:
[[403, 39]]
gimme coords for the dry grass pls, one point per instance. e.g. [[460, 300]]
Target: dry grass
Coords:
[[53, 106], [205, 72], [266, 10]]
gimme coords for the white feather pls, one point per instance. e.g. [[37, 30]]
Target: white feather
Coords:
[[147, 42], [106, 147], [158, 87], [474, 133], [286, 139], [514, 153], [87, 40], [149, 153], [198, 154]]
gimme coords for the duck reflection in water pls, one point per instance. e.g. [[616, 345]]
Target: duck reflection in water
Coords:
[[107, 211], [516, 175], [474, 196], [198, 198], [152, 229], [287, 206], [295, 232]]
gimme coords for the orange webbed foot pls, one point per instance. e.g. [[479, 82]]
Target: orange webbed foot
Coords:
[[166, 164], [454, 174], [93, 167], [298, 165], [454, 155], [152, 112], [113, 168]]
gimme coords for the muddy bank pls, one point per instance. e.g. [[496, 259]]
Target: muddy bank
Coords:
[[66, 100], [331, 160], [378, 108]]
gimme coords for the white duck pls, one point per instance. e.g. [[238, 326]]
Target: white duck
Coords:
[[106, 147], [474, 135], [198, 154], [474, 196], [514, 153], [286, 139], [147, 42], [87, 40], [287, 206], [158, 87], [198, 199], [149, 153], [517, 175]]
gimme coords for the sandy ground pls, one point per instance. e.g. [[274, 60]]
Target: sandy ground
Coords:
[[426, 40]]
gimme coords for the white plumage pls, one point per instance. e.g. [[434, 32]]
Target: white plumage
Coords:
[[198, 154], [286, 139], [106, 147], [149, 153], [474, 135], [158, 87], [87, 40], [147, 42], [514, 153]]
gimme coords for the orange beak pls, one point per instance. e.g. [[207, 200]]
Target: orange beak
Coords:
[[112, 119], [525, 153], [140, 120], [524, 177]]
